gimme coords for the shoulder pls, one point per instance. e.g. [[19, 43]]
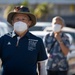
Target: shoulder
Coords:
[[66, 35], [9, 34], [48, 36], [6, 35]]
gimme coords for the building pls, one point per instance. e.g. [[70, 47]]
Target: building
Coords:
[[64, 8]]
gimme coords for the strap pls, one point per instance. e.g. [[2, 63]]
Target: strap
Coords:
[[51, 46]]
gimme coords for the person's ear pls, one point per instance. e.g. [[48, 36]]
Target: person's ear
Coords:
[[62, 26], [12, 22]]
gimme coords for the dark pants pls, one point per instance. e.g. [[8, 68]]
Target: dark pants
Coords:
[[56, 72]]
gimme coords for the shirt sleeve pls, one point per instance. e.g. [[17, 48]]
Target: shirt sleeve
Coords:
[[66, 41], [0, 47], [42, 52]]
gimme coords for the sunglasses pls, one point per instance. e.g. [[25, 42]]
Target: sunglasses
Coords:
[[21, 9]]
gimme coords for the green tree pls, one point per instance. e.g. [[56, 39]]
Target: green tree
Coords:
[[7, 10], [25, 3], [43, 10], [10, 7]]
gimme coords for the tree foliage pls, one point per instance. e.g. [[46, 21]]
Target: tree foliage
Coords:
[[41, 9], [7, 10]]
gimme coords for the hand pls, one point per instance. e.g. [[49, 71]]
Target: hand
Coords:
[[57, 36]]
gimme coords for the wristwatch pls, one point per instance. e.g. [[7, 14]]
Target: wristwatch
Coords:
[[60, 41]]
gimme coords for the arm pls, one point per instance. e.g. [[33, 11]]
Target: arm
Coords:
[[42, 68], [42, 57], [64, 48]]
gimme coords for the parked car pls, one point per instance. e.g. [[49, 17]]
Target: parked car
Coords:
[[3, 20], [40, 34], [40, 26], [4, 28]]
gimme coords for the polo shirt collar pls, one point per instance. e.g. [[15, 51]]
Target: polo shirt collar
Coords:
[[13, 34], [26, 35]]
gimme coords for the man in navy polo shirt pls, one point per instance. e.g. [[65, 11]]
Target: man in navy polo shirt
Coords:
[[20, 50]]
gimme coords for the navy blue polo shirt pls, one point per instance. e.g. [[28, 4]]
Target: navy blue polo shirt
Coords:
[[20, 56]]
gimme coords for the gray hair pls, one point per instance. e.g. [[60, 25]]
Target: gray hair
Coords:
[[60, 19]]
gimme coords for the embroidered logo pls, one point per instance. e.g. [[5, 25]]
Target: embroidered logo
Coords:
[[32, 44], [8, 43]]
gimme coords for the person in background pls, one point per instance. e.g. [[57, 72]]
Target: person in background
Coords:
[[57, 46], [21, 51]]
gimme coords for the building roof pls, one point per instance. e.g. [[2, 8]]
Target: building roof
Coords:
[[10, 1], [62, 1], [38, 1]]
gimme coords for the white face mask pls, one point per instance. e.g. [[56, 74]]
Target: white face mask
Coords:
[[56, 28], [20, 26]]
